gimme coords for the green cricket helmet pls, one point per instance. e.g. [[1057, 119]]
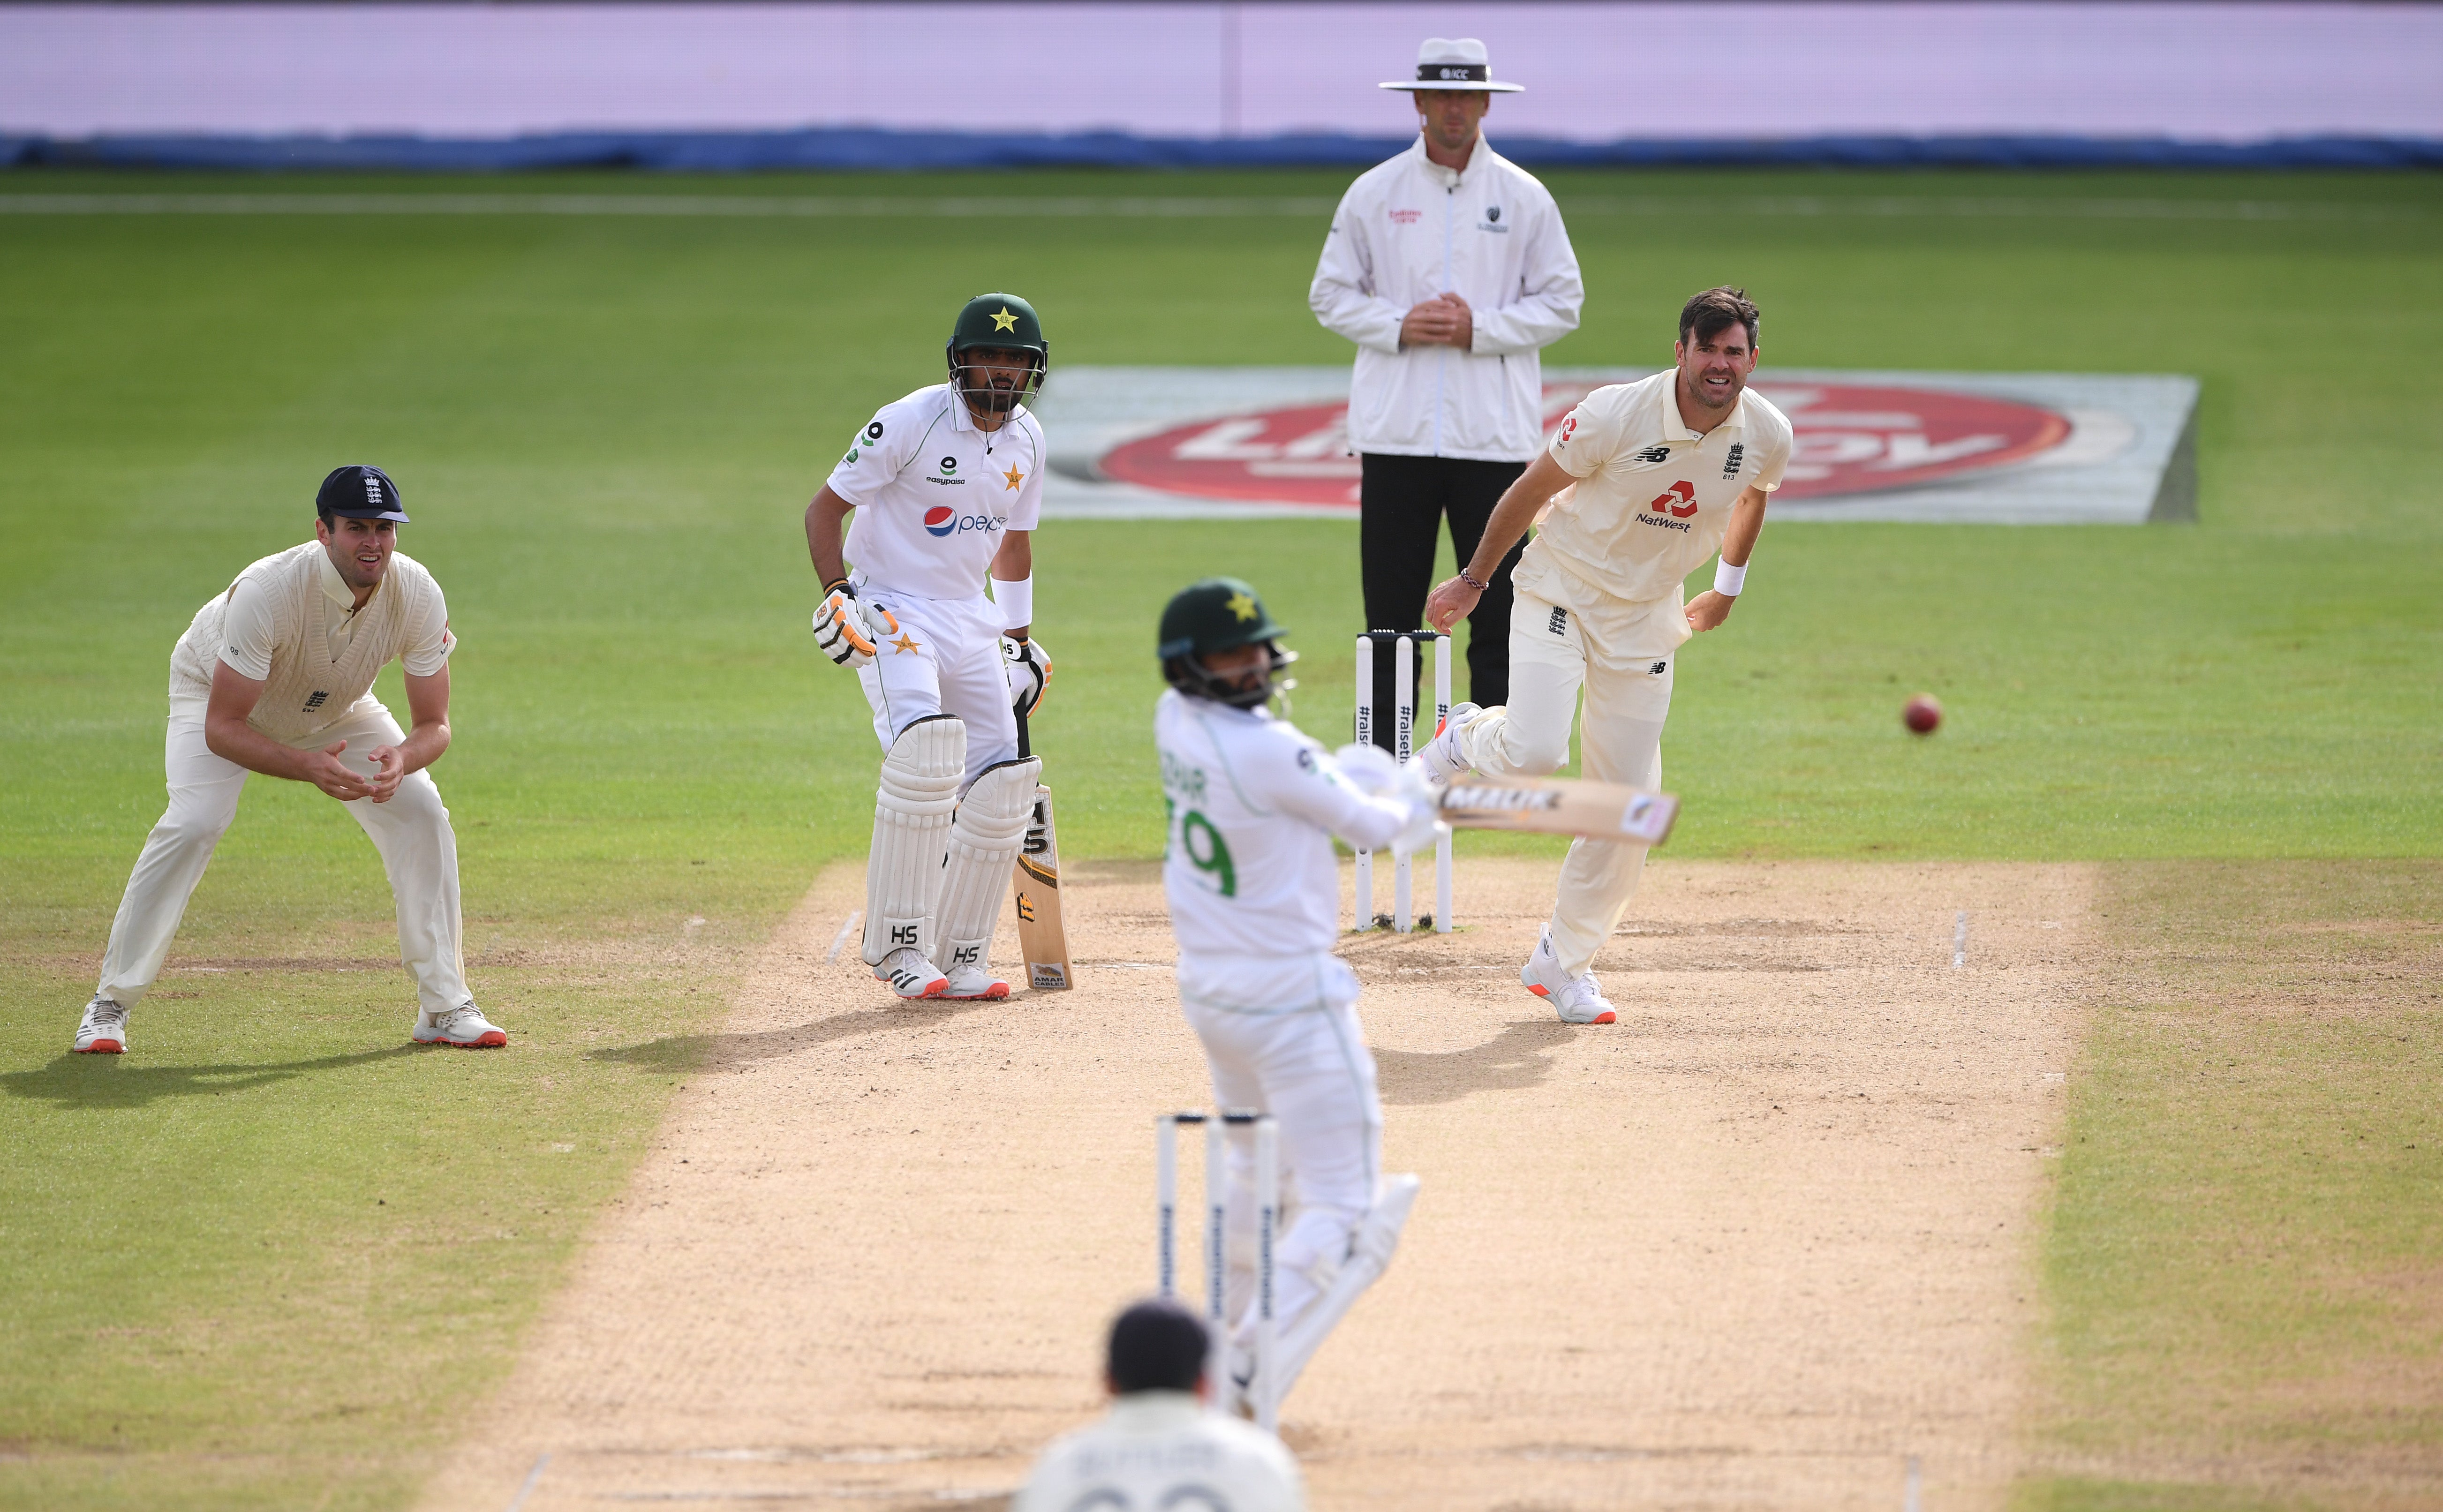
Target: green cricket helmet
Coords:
[[1221, 615], [1006, 322]]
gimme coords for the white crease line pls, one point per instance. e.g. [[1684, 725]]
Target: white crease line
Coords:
[[1959, 940], [768, 206], [840, 940], [532, 1476]]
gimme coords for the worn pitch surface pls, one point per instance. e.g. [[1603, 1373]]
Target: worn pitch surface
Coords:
[[1754, 1245]]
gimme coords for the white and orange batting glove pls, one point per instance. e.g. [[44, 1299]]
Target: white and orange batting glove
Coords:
[[845, 628], [1029, 667]]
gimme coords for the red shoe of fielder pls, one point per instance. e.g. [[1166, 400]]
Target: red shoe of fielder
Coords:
[[463, 1028], [104, 1030]]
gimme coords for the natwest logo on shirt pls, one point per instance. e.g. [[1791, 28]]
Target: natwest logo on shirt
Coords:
[[943, 520], [1679, 501]]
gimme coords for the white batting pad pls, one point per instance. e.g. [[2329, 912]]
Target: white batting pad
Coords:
[[1368, 1257], [984, 843], [911, 828]]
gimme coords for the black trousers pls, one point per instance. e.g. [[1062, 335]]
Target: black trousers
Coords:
[[1402, 501]]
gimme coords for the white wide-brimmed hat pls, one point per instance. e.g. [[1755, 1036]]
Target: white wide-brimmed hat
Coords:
[[1444, 62]]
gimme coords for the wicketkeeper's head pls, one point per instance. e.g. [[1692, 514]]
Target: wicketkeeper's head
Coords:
[[1219, 642], [1156, 1345]]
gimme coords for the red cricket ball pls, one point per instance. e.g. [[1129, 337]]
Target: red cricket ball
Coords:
[[1921, 713]]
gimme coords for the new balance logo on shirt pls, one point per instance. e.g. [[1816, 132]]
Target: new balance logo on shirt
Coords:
[[1653, 454]]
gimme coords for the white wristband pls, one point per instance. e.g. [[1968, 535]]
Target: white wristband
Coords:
[[1729, 580], [1017, 601]]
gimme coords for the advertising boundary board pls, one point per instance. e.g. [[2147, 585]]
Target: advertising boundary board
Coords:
[[1142, 443]]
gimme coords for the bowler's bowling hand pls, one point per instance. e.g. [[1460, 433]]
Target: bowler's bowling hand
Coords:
[[1708, 609], [1451, 598]]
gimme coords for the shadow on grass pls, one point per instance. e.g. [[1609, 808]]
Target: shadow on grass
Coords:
[[716, 1052], [121, 1082], [1506, 1063]]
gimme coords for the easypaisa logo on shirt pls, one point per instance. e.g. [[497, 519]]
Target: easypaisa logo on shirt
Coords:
[[943, 520]]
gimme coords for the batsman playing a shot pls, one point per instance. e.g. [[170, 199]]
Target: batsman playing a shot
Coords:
[[1255, 900], [1650, 478], [944, 482]]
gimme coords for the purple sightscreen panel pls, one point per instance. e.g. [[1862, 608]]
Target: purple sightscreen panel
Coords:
[[2204, 72]]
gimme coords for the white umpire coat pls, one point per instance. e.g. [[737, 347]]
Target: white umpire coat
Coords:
[[1409, 230]]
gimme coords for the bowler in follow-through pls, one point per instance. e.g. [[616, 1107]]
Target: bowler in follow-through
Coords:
[[1642, 481]]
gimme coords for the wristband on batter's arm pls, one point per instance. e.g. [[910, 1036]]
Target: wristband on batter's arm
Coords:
[[1017, 601], [1475, 582], [1728, 580]]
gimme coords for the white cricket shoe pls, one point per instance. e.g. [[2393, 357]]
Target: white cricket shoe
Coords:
[[1439, 757], [911, 975], [1578, 999], [104, 1030], [968, 984], [462, 1027]]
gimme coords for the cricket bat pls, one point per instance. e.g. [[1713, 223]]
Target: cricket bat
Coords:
[[1035, 889], [1562, 806], [1035, 886]]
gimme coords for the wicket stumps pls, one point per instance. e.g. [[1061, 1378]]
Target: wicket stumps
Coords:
[[1260, 1390], [1404, 715]]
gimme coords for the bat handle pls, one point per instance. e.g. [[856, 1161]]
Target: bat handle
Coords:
[[1024, 746]]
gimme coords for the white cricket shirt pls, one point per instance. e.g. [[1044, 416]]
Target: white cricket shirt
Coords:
[[1410, 230], [1653, 496], [1254, 886], [1162, 1451], [933, 493]]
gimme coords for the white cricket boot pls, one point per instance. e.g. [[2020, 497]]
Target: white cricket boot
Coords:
[[911, 975], [968, 984], [1440, 756], [462, 1027], [104, 1030], [1578, 999]]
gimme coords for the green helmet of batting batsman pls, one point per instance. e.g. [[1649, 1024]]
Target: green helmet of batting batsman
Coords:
[[1216, 615], [1001, 323]]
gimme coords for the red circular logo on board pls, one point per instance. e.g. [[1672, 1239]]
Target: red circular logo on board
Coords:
[[1850, 439]]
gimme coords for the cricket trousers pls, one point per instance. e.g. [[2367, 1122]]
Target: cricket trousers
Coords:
[[1589, 645], [1308, 1067], [412, 830], [1402, 502]]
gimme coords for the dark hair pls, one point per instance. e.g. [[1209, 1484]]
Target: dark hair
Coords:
[[1156, 1346], [1716, 310]]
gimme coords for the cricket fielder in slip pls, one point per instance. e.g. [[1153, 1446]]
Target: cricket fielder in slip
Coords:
[[1255, 901], [1650, 478], [276, 676], [945, 483]]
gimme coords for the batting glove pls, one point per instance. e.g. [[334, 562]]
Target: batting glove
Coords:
[[1373, 771], [843, 627], [1029, 667]]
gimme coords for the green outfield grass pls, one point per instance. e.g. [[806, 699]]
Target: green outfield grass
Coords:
[[606, 428]]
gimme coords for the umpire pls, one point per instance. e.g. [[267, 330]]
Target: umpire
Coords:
[[1449, 267]]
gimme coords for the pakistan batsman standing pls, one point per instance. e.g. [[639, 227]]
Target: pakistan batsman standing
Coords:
[[945, 483]]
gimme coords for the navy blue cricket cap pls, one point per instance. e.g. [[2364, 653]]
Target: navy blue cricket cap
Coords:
[[359, 492]]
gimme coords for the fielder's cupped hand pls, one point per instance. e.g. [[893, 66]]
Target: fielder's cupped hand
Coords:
[[383, 785], [1708, 609], [845, 628], [1029, 667], [326, 769]]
